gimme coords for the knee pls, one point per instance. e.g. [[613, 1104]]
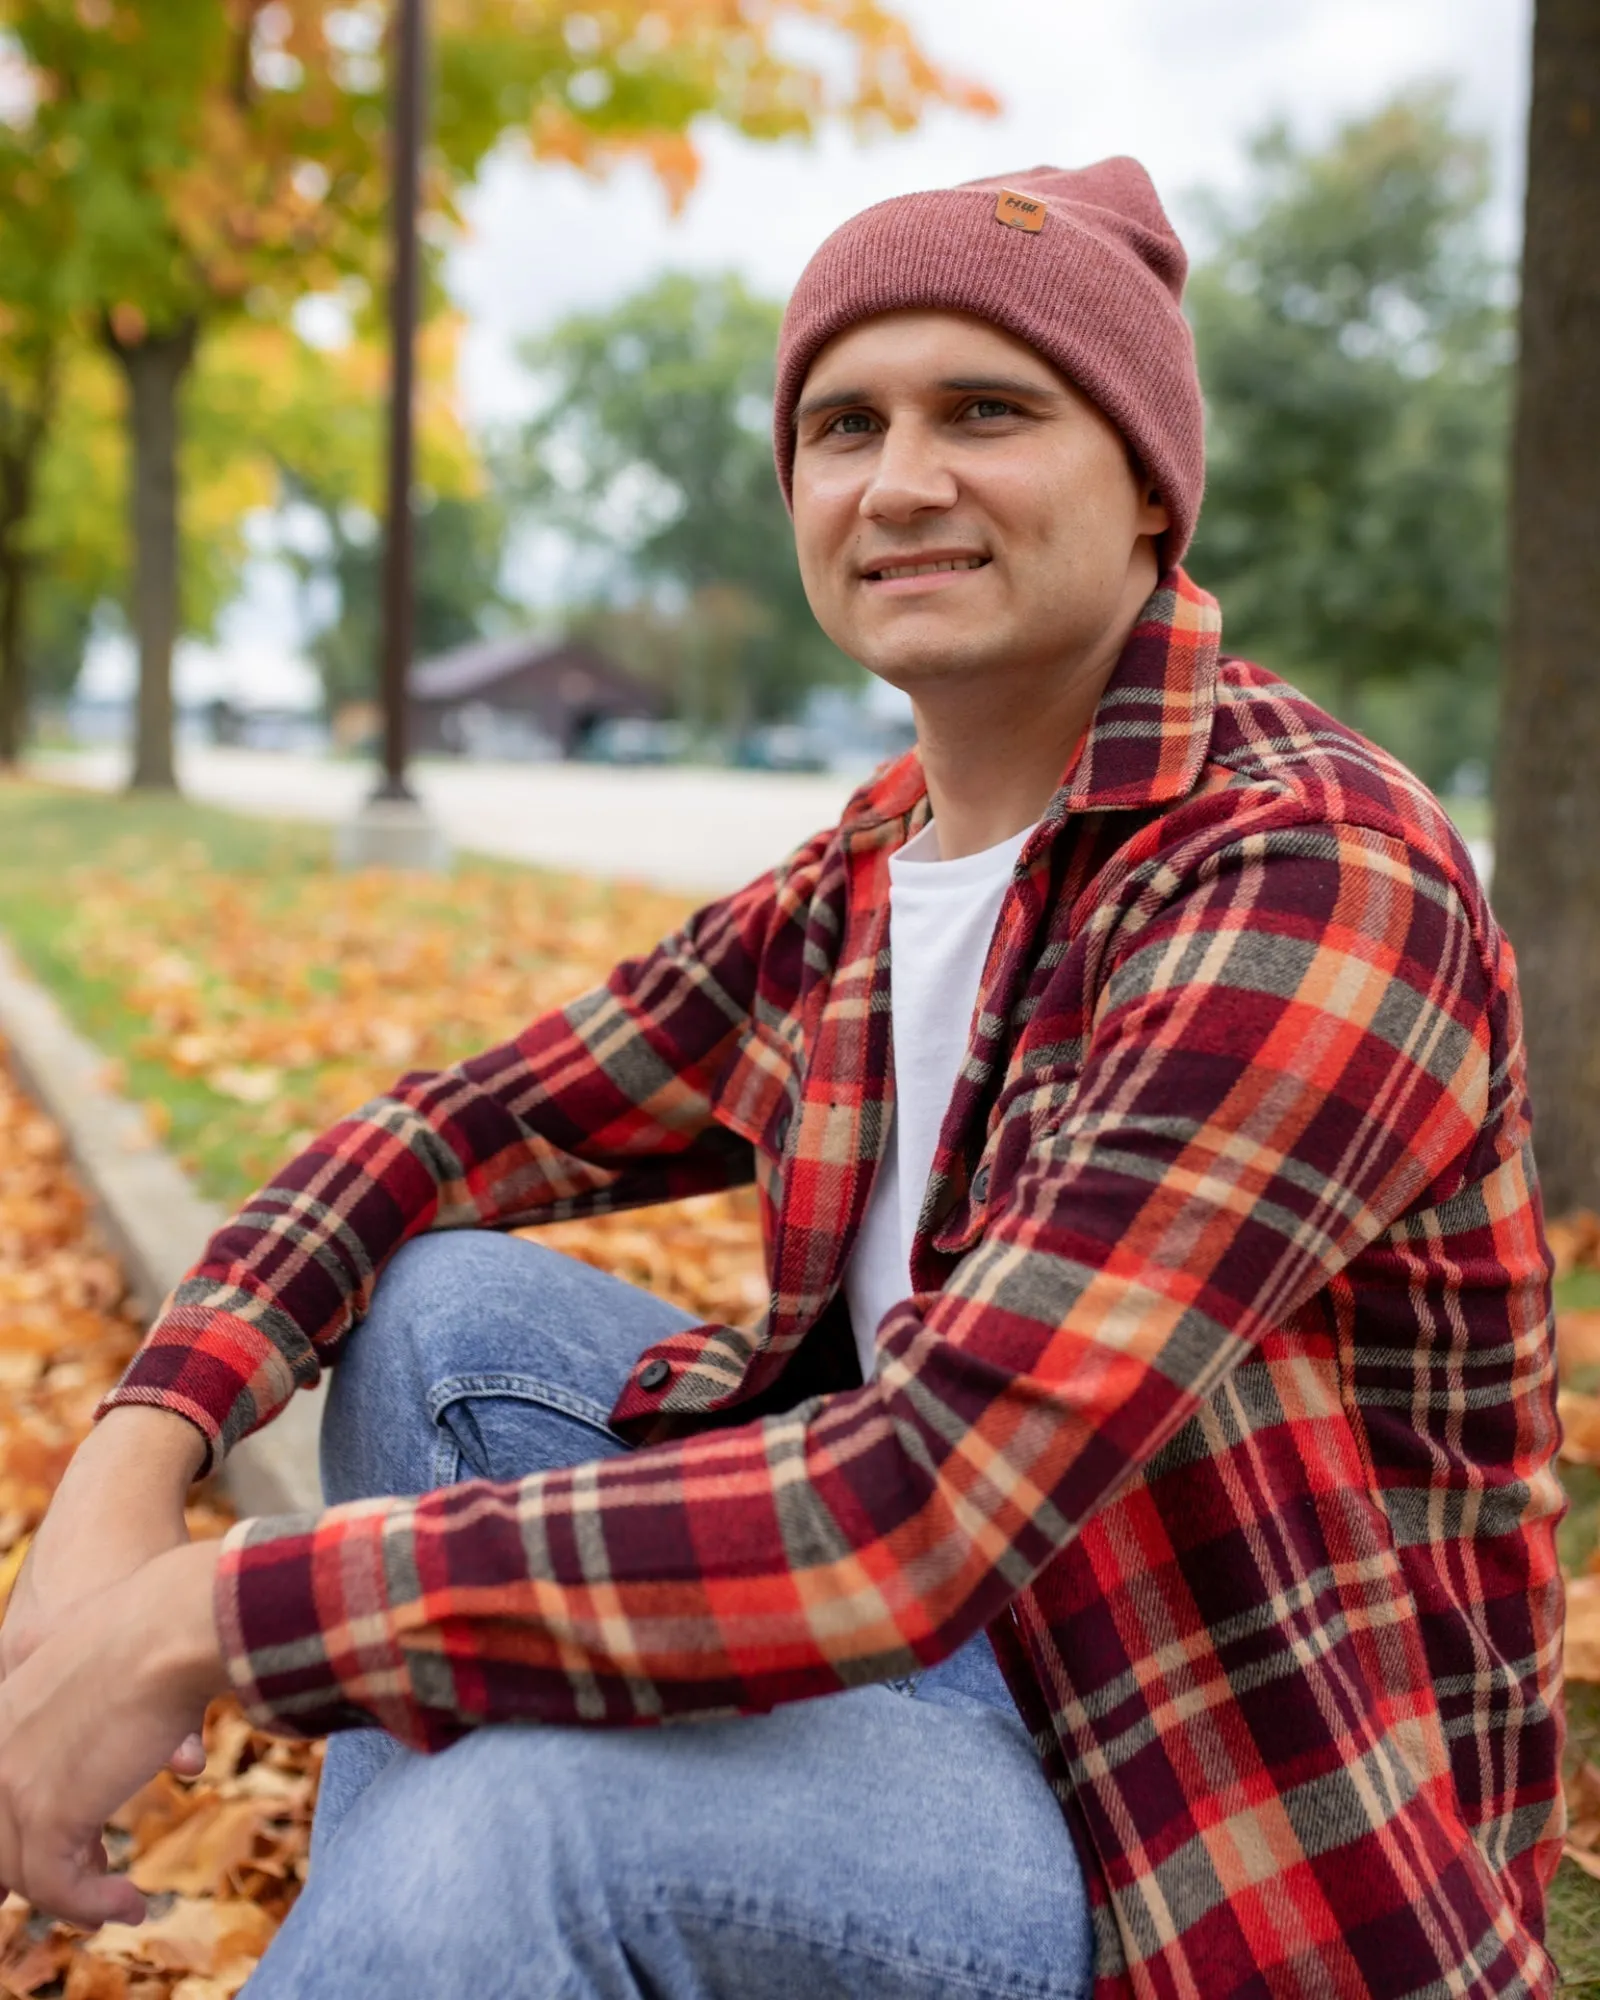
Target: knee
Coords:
[[447, 1304], [432, 1288], [377, 1427], [436, 1276]]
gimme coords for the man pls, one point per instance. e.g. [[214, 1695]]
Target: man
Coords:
[[1160, 1316]]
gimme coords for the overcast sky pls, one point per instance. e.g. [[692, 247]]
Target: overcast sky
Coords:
[[1182, 84]]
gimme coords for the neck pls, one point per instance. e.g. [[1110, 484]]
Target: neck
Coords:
[[994, 748]]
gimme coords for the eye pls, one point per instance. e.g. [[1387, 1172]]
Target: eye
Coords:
[[851, 423], [991, 406]]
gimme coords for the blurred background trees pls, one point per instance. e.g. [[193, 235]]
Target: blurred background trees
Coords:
[[35, 324], [178, 168], [459, 558], [1353, 330], [654, 447], [1355, 345]]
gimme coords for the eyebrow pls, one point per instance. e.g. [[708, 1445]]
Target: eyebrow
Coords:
[[953, 385]]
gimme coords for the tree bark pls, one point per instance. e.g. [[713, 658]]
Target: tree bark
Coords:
[[13, 658], [1547, 829], [154, 368], [22, 437]]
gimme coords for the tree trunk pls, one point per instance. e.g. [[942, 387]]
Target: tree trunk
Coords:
[[26, 424], [1547, 829], [154, 367], [13, 658]]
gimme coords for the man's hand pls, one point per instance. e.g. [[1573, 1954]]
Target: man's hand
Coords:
[[119, 1504], [90, 1716]]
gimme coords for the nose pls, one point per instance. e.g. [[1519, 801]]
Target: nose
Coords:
[[909, 476]]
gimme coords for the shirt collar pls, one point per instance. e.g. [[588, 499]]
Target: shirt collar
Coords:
[[1151, 728]]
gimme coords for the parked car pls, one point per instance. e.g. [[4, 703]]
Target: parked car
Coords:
[[781, 746], [628, 739]]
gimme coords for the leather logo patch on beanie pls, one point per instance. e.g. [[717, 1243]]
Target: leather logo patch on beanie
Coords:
[[1087, 270], [1017, 212]]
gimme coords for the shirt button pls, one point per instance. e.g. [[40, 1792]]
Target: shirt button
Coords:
[[980, 1184], [654, 1375]]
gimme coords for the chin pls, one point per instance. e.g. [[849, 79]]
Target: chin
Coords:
[[911, 661]]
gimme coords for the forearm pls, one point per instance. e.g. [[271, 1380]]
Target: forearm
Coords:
[[140, 1449], [119, 1505], [127, 1481], [492, 1143]]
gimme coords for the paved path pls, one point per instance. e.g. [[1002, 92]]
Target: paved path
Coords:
[[682, 828]]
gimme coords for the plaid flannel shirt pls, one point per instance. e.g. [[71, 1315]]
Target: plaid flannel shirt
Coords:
[[1224, 1399]]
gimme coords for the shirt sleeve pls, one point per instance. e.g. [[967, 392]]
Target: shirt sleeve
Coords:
[[607, 1103], [1290, 1047]]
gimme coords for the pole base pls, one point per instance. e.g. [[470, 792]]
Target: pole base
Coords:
[[392, 833]]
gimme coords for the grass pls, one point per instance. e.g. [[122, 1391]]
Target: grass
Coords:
[[211, 955], [48, 841], [248, 994]]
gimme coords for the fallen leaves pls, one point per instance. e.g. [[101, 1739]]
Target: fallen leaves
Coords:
[[703, 1254], [288, 1000], [65, 1330], [212, 1944], [224, 1855], [1583, 1819], [1575, 1241], [292, 995]]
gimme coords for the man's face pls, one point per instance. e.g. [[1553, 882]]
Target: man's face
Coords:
[[934, 438]]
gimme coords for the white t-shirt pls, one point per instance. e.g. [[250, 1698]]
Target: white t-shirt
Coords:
[[942, 916]]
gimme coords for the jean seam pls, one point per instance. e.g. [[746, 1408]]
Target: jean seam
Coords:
[[1017, 1986], [446, 1461], [525, 1389]]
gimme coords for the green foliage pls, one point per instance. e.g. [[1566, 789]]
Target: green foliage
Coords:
[[655, 442], [459, 546], [205, 164], [1355, 349]]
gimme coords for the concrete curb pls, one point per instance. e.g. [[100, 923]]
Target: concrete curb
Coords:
[[151, 1214]]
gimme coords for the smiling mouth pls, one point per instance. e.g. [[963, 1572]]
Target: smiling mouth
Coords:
[[892, 572]]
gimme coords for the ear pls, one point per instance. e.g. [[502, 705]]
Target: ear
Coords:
[[1153, 516]]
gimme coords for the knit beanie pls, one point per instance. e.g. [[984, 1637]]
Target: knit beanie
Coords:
[[1081, 263]]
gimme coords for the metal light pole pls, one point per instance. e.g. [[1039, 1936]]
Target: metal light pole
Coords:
[[392, 829]]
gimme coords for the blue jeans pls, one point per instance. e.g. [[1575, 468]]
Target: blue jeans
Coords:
[[897, 1842]]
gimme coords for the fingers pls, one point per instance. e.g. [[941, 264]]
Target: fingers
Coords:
[[91, 1900], [189, 1759], [75, 1885]]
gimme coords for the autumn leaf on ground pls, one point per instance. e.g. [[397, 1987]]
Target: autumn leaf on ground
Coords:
[[1575, 1241], [218, 1937], [1583, 1818], [1583, 1629], [1577, 1342], [1580, 1427], [235, 1843]]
